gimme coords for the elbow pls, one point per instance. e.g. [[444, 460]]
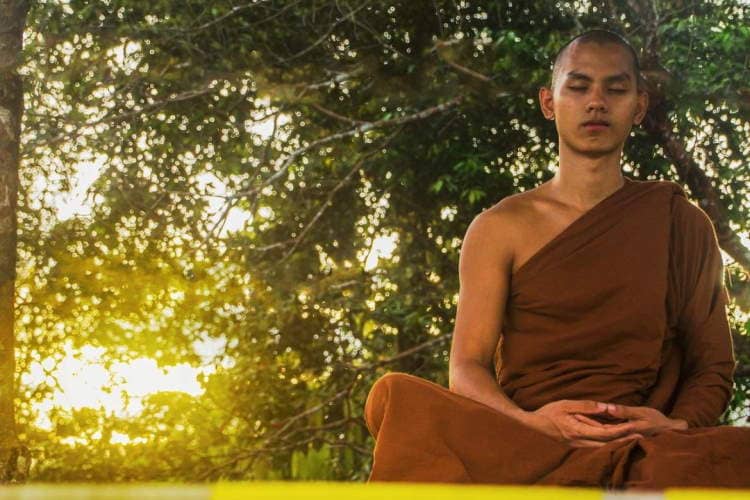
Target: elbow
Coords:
[[461, 373], [456, 371], [452, 377]]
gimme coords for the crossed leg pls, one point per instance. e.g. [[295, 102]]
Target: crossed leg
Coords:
[[425, 433]]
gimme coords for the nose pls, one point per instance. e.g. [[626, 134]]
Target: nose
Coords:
[[597, 102]]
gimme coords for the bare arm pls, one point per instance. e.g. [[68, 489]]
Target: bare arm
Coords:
[[484, 269], [485, 266]]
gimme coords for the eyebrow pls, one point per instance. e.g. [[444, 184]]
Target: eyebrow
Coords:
[[575, 75]]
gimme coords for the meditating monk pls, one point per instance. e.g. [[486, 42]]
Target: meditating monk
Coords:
[[591, 343]]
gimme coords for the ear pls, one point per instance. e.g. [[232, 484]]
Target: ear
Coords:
[[641, 107], [546, 103]]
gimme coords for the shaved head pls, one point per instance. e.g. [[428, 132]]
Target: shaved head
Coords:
[[599, 37]]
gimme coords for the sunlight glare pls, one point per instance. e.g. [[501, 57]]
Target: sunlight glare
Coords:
[[382, 247], [83, 381]]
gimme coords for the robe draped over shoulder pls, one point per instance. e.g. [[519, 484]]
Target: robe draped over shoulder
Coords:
[[621, 306], [627, 304]]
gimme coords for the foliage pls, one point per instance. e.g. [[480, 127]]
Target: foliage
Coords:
[[327, 125]]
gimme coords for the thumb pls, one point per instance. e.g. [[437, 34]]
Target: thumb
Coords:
[[622, 411], [586, 407]]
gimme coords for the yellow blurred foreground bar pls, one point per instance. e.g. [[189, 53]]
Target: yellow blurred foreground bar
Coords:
[[321, 490], [273, 490]]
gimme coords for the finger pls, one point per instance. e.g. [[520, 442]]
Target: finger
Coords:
[[593, 443], [605, 433], [642, 427], [586, 443], [623, 411], [629, 437], [625, 427], [587, 420], [586, 407]]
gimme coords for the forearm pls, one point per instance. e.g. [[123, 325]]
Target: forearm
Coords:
[[478, 383]]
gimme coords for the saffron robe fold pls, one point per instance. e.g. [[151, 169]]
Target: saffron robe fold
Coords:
[[626, 305]]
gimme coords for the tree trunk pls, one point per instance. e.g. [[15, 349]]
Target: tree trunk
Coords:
[[12, 23]]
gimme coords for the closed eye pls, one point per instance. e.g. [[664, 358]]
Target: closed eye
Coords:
[[581, 89]]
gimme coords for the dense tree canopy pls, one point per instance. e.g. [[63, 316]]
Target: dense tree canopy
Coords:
[[327, 127]]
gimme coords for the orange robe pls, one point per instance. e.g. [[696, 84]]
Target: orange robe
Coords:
[[626, 305]]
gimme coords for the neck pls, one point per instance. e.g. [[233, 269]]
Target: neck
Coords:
[[582, 181]]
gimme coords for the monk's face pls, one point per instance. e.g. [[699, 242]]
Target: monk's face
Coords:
[[596, 84]]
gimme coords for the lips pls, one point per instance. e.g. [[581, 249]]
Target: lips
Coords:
[[595, 126]]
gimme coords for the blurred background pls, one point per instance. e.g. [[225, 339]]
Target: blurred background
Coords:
[[235, 215]]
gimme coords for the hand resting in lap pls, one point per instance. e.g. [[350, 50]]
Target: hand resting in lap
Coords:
[[646, 421], [583, 423]]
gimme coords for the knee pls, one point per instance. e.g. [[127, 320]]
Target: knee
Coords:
[[380, 395], [393, 384]]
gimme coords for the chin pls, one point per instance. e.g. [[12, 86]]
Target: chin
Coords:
[[594, 152], [588, 149]]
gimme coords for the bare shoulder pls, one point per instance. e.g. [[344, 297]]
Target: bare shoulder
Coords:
[[497, 222], [518, 204], [513, 213], [500, 228]]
